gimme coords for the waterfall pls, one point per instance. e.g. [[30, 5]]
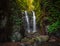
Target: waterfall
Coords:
[[34, 22], [27, 18]]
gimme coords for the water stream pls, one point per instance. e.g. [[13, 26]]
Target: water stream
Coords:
[[34, 22], [27, 18]]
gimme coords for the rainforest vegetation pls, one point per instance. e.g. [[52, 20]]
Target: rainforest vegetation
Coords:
[[47, 17]]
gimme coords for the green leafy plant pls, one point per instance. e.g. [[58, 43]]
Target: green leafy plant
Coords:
[[52, 8], [54, 27]]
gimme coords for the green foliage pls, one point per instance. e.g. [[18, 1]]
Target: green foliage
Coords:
[[16, 20], [25, 5], [54, 27], [37, 10], [22, 4], [53, 10], [15, 13]]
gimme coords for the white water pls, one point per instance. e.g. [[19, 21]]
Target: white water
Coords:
[[34, 22], [28, 23], [27, 19]]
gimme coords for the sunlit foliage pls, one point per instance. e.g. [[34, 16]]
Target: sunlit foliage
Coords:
[[25, 4], [30, 5]]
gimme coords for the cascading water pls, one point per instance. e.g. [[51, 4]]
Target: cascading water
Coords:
[[34, 22], [27, 19], [30, 21]]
